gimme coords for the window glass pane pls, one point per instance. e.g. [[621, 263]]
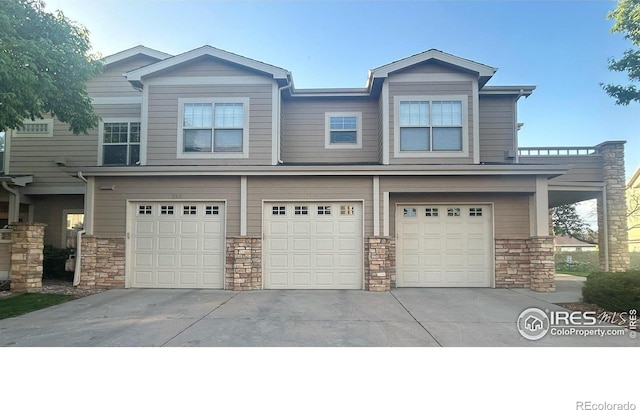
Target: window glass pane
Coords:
[[414, 139], [344, 137], [134, 154], [447, 139], [414, 113], [229, 115], [115, 155], [343, 123], [134, 132], [115, 132], [447, 112], [197, 115], [228, 141], [197, 140]]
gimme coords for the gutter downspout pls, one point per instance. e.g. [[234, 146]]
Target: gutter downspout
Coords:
[[78, 268], [284, 87], [15, 215]]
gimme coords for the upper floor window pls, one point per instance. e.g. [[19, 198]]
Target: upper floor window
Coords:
[[120, 142], [343, 130], [37, 128], [430, 126], [213, 128]]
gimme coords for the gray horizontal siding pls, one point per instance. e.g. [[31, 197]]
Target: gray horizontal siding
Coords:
[[37, 156], [587, 168], [497, 128], [163, 122], [112, 83], [206, 66], [430, 88], [110, 206], [303, 130]]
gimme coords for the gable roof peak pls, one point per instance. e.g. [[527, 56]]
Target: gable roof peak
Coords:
[[134, 51]]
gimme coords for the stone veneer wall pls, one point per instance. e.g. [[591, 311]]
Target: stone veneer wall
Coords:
[[243, 270], [27, 257], [379, 268], [525, 263], [102, 262], [615, 184]]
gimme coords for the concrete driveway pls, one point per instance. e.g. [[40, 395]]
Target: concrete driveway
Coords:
[[402, 317]]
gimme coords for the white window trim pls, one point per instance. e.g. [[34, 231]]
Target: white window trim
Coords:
[[101, 136], [208, 155], [430, 154], [49, 134], [66, 212], [327, 130]]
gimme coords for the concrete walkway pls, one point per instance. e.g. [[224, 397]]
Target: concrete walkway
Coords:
[[402, 317]]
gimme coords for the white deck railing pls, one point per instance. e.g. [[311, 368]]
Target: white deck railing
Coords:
[[555, 151]]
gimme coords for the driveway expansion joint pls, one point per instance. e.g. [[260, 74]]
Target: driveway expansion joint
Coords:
[[416, 320], [197, 321]]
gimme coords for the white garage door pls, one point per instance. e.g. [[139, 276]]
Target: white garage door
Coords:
[[444, 245], [313, 245], [177, 245]]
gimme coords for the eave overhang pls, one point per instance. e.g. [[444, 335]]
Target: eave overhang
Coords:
[[134, 51], [277, 73], [17, 180], [549, 171]]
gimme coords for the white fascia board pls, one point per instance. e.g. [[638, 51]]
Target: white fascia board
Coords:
[[276, 72], [373, 170], [482, 69], [519, 90], [123, 55]]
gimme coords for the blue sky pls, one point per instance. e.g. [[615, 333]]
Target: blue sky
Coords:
[[562, 47]]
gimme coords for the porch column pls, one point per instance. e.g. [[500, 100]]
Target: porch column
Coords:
[[612, 209], [27, 257]]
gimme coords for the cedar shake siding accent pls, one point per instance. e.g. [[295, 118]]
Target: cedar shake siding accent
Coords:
[[497, 128], [163, 135], [303, 131], [110, 205]]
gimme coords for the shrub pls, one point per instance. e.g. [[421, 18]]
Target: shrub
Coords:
[[617, 292], [53, 266]]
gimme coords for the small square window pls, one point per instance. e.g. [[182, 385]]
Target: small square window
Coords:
[[189, 210], [301, 210], [324, 210], [166, 210], [409, 212], [278, 210], [475, 211], [453, 211], [211, 210], [347, 210], [145, 209], [431, 212]]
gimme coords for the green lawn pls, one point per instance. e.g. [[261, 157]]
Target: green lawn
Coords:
[[28, 302], [583, 263]]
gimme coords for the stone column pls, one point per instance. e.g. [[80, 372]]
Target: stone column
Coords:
[[102, 262], [243, 263], [542, 264], [616, 209], [379, 263], [27, 257]]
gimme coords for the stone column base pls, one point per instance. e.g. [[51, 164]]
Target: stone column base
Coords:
[[379, 263], [102, 262], [243, 270], [27, 257], [525, 263]]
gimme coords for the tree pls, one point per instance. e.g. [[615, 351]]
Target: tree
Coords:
[[567, 222], [45, 62], [627, 21]]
